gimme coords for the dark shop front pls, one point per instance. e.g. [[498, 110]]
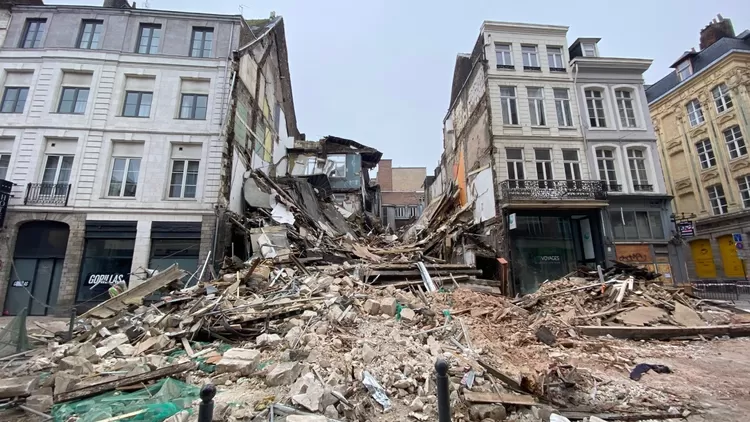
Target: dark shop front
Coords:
[[107, 258], [546, 245], [175, 243]]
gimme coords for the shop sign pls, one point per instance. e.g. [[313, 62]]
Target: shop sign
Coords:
[[633, 253], [21, 283], [547, 259], [111, 279], [686, 228]]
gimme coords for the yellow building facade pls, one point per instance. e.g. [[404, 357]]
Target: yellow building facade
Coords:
[[701, 115]]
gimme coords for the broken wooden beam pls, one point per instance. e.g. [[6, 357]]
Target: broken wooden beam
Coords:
[[577, 416], [103, 387], [665, 332], [482, 397], [416, 273]]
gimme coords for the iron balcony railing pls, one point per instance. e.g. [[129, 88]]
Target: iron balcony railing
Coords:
[[51, 194], [612, 187], [546, 190], [643, 188]]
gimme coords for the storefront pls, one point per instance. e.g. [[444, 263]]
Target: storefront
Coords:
[[107, 258], [175, 242], [37, 268], [546, 245]]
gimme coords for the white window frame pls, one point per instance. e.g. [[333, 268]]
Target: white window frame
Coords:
[[530, 58], [572, 167], [128, 160], [638, 164], [555, 57], [509, 104], [684, 69], [563, 108], [603, 160], [600, 116], [706, 155], [695, 112], [56, 179], [717, 199], [544, 174], [743, 183], [516, 164], [626, 104], [186, 163], [722, 98], [588, 46], [337, 159], [735, 142], [5, 167], [504, 54], [536, 106]]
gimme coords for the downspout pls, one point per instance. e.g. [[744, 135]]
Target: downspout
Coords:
[[224, 103]]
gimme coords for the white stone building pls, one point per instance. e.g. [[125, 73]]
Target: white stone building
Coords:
[[111, 131]]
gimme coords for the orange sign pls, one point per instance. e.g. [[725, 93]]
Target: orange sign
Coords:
[[633, 254]]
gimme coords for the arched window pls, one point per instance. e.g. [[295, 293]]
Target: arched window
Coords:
[[637, 164], [605, 161], [595, 107], [625, 107]]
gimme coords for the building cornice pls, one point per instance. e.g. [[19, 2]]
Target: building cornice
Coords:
[[531, 77], [25, 55], [524, 28], [612, 63], [116, 11]]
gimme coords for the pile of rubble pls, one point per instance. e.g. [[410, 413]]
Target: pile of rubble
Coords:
[[331, 321]]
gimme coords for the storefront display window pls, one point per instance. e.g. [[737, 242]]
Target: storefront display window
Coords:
[[105, 262], [183, 252], [637, 225]]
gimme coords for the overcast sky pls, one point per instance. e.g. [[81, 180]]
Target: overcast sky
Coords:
[[380, 72]]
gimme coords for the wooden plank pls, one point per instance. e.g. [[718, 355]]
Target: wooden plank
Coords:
[[577, 416], [510, 382], [480, 397], [103, 387], [416, 273], [186, 346], [665, 332]]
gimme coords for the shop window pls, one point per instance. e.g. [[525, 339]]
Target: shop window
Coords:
[[183, 252], [105, 262], [637, 225]]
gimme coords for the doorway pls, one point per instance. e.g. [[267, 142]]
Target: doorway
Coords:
[[38, 260]]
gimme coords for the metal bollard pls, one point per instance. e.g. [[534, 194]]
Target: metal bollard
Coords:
[[443, 396], [72, 324], [206, 408]]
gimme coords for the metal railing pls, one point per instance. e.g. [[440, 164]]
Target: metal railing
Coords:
[[53, 194], [643, 188], [545, 190], [721, 289], [612, 187]]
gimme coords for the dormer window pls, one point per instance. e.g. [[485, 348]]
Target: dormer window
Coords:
[[589, 49], [684, 70]]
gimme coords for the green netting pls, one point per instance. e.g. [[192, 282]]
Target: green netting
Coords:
[[13, 338], [160, 401]]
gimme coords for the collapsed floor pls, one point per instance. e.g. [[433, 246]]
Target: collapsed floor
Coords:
[[342, 327]]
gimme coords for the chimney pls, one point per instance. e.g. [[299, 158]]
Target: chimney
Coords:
[[385, 175], [716, 30], [117, 4]]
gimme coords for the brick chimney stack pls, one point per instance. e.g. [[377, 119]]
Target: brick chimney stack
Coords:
[[385, 175], [716, 30]]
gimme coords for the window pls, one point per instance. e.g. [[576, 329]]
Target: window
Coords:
[[571, 164], [625, 107], [56, 175], [124, 179], [193, 106], [91, 32], [508, 104], [14, 99], [311, 166], [717, 199], [555, 59], [184, 181], [336, 165], [33, 33], [743, 182], [543, 159], [637, 163], [73, 100], [722, 99], [695, 114], [504, 56], [137, 104], [148, 38], [4, 164], [705, 154], [605, 160], [202, 42], [589, 49], [595, 106], [530, 57], [562, 105], [632, 225], [735, 142], [515, 166], [536, 106], [684, 70]]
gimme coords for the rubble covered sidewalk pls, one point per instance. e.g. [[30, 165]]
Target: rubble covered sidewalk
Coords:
[[332, 320]]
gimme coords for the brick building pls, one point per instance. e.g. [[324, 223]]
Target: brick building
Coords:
[[402, 192]]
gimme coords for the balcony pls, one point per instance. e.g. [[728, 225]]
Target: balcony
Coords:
[[643, 188], [47, 194], [611, 187], [552, 190]]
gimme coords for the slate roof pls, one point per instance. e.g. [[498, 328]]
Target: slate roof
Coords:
[[701, 60]]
